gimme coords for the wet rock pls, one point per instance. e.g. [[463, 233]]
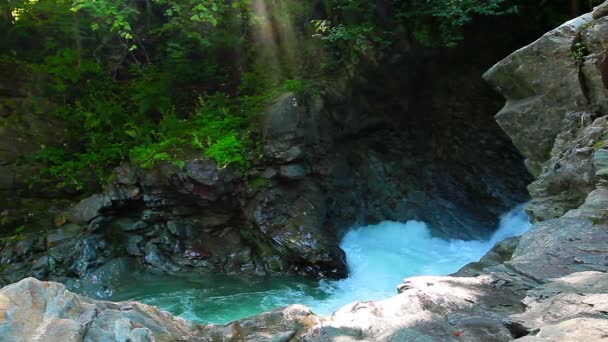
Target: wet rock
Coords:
[[293, 220], [133, 245], [600, 162], [179, 229], [293, 171], [502, 252], [154, 257], [104, 280], [62, 234]]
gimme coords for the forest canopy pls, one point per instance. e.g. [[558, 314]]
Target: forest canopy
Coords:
[[160, 80]]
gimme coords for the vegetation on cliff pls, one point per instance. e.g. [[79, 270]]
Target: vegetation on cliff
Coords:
[[149, 81]]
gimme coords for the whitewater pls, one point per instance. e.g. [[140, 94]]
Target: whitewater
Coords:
[[379, 257]]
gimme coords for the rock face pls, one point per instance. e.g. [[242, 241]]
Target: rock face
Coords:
[[350, 155], [556, 102]]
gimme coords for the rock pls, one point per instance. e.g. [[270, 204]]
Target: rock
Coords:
[[430, 309], [59, 235], [502, 252], [600, 162], [178, 229], [578, 329], [88, 209], [32, 310], [600, 11], [129, 224], [569, 308], [203, 171], [283, 324], [560, 247], [293, 219], [293, 171], [102, 282], [282, 129], [269, 173], [133, 245], [35, 311], [541, 85], [154, 257]]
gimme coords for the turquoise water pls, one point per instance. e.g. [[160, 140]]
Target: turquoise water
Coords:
[[378, 256]]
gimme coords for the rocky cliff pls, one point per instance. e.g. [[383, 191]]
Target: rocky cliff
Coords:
[[351, 153]]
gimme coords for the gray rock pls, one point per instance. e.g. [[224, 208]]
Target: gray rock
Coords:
[[293, 171], [541, 85], [35, 311], [32, 310], [179, 229], [133, 245], [281, 128], [600, 162], [61, 234], [102, 282], [203, 171], [600, 11], [570, 308], [502, 252], [560, 247], [88, 209]]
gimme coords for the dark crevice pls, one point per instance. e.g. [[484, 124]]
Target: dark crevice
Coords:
[[517, 329]]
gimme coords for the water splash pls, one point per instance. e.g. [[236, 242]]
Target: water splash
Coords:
[[378, 256]]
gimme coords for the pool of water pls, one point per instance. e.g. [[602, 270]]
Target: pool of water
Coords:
[[378, 257]]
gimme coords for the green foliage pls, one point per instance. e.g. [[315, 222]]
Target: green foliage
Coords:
[[58, 164], [142, 81], [227, 150], [452, 16], [164, 80], [17, 234], [294, 85], [147, 156], [363, 36], [258, 183], [579, 51], [213, 129], [368, 24]]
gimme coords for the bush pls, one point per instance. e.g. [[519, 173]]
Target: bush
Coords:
[[227, 150]]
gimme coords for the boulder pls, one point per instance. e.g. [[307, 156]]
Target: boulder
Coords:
[[31, 310], [569, 308], [541, 85], [88, 209]]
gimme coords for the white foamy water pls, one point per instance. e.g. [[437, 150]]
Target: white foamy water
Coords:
[[379, 257]]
